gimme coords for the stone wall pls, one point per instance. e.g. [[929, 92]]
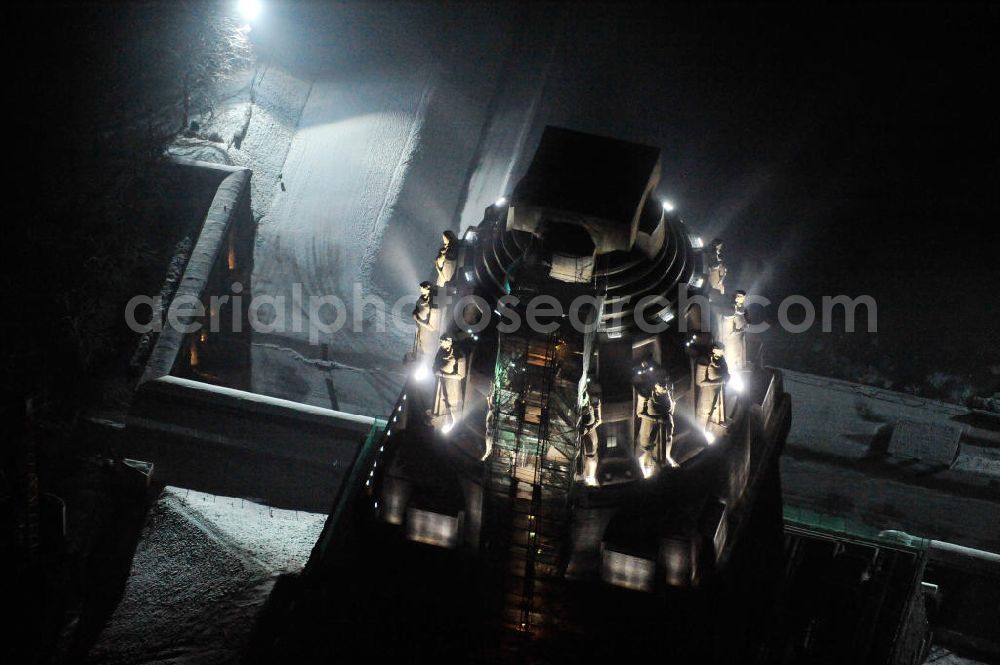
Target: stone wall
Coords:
[[193, 414]]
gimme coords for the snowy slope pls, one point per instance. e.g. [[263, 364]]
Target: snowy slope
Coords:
[[267, 126], [378, 167], [202, 569], [343, 173]]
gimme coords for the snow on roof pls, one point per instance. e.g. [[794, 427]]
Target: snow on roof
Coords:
[[266, 400], [841, 418]]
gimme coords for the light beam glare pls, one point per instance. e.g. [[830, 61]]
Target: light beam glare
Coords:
[[249, 9]]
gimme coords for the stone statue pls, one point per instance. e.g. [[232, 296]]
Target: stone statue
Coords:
[[425, 333], [655, 410], [447, 258], [734, 332], [712, 372], [590, 419], [491, 424], [449, 368], [716, 267]]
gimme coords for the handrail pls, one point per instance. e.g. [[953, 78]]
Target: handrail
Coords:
[[345, 494]]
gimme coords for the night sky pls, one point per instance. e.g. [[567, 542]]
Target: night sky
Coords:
[[845, 150], [853, 129]]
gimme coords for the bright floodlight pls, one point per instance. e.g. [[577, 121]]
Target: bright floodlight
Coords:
[[668, 206], [501, 202], [422, 372], [249, 9], [709, 437], [736, 382], [449, 423]]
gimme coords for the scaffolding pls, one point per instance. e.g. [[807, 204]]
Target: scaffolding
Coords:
[[535, 442]]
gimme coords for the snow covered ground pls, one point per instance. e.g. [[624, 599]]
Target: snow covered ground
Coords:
[[202, 569], [380, 139], [828, 465], [256, 135], [941, 656], [386, 145], [343, 174]]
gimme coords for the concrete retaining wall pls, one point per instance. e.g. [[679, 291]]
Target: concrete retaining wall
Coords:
[[236, 443], [193, 416], [230, 208]]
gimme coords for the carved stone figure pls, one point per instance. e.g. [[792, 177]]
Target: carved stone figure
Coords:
[[590, 419], [654, 443], [449, 369], [490, 426], [734, 332], [447, 258], [716, 267], [712, 372], [425, 334]]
